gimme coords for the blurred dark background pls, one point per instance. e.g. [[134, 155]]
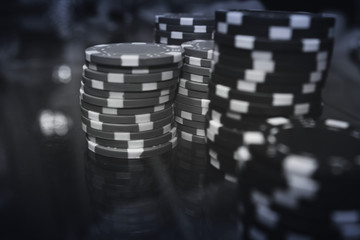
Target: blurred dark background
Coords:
[[42, 42]]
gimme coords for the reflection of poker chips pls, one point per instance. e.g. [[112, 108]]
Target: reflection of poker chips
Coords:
[[131, 78], [133, 54], [121, 119], [187, 29], [124, 164], [129, 87], [308, 189], [136, 143], [132, 152], [125, 103], [267, 66], [125, 203]]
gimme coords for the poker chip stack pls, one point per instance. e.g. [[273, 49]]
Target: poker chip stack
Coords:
[[191, 103], [301, 183], [126, 99], [266, 64], [176, 28]]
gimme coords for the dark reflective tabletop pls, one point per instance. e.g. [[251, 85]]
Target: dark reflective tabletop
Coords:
[[52, 187]]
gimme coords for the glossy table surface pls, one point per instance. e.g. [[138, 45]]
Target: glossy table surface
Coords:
[[50, 188]]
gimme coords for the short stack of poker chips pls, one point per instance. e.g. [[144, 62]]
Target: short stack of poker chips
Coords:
[[191, 103], [125, 198], [126, 99], [176, 28], [302, 182], [266, 64]]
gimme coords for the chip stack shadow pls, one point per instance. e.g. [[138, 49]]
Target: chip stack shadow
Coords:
[[176, 28], [266, 64]]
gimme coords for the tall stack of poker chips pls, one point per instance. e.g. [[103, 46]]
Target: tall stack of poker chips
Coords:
[[126, 100], [127, 97], [191, 103], [266, 64], [302, 182], [176, 28]]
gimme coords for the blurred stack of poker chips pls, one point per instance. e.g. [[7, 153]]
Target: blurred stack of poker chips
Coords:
[[301, 182], [176, 28], [266, 64], [125, 197]]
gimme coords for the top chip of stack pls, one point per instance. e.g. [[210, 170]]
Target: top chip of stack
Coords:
[[176, 28], [127, 98]]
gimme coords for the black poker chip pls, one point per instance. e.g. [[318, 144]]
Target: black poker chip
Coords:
[[296, 20], [299, 58], [185, 28], [183, 35], [275, 32], [257, 43], [185, 19]]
